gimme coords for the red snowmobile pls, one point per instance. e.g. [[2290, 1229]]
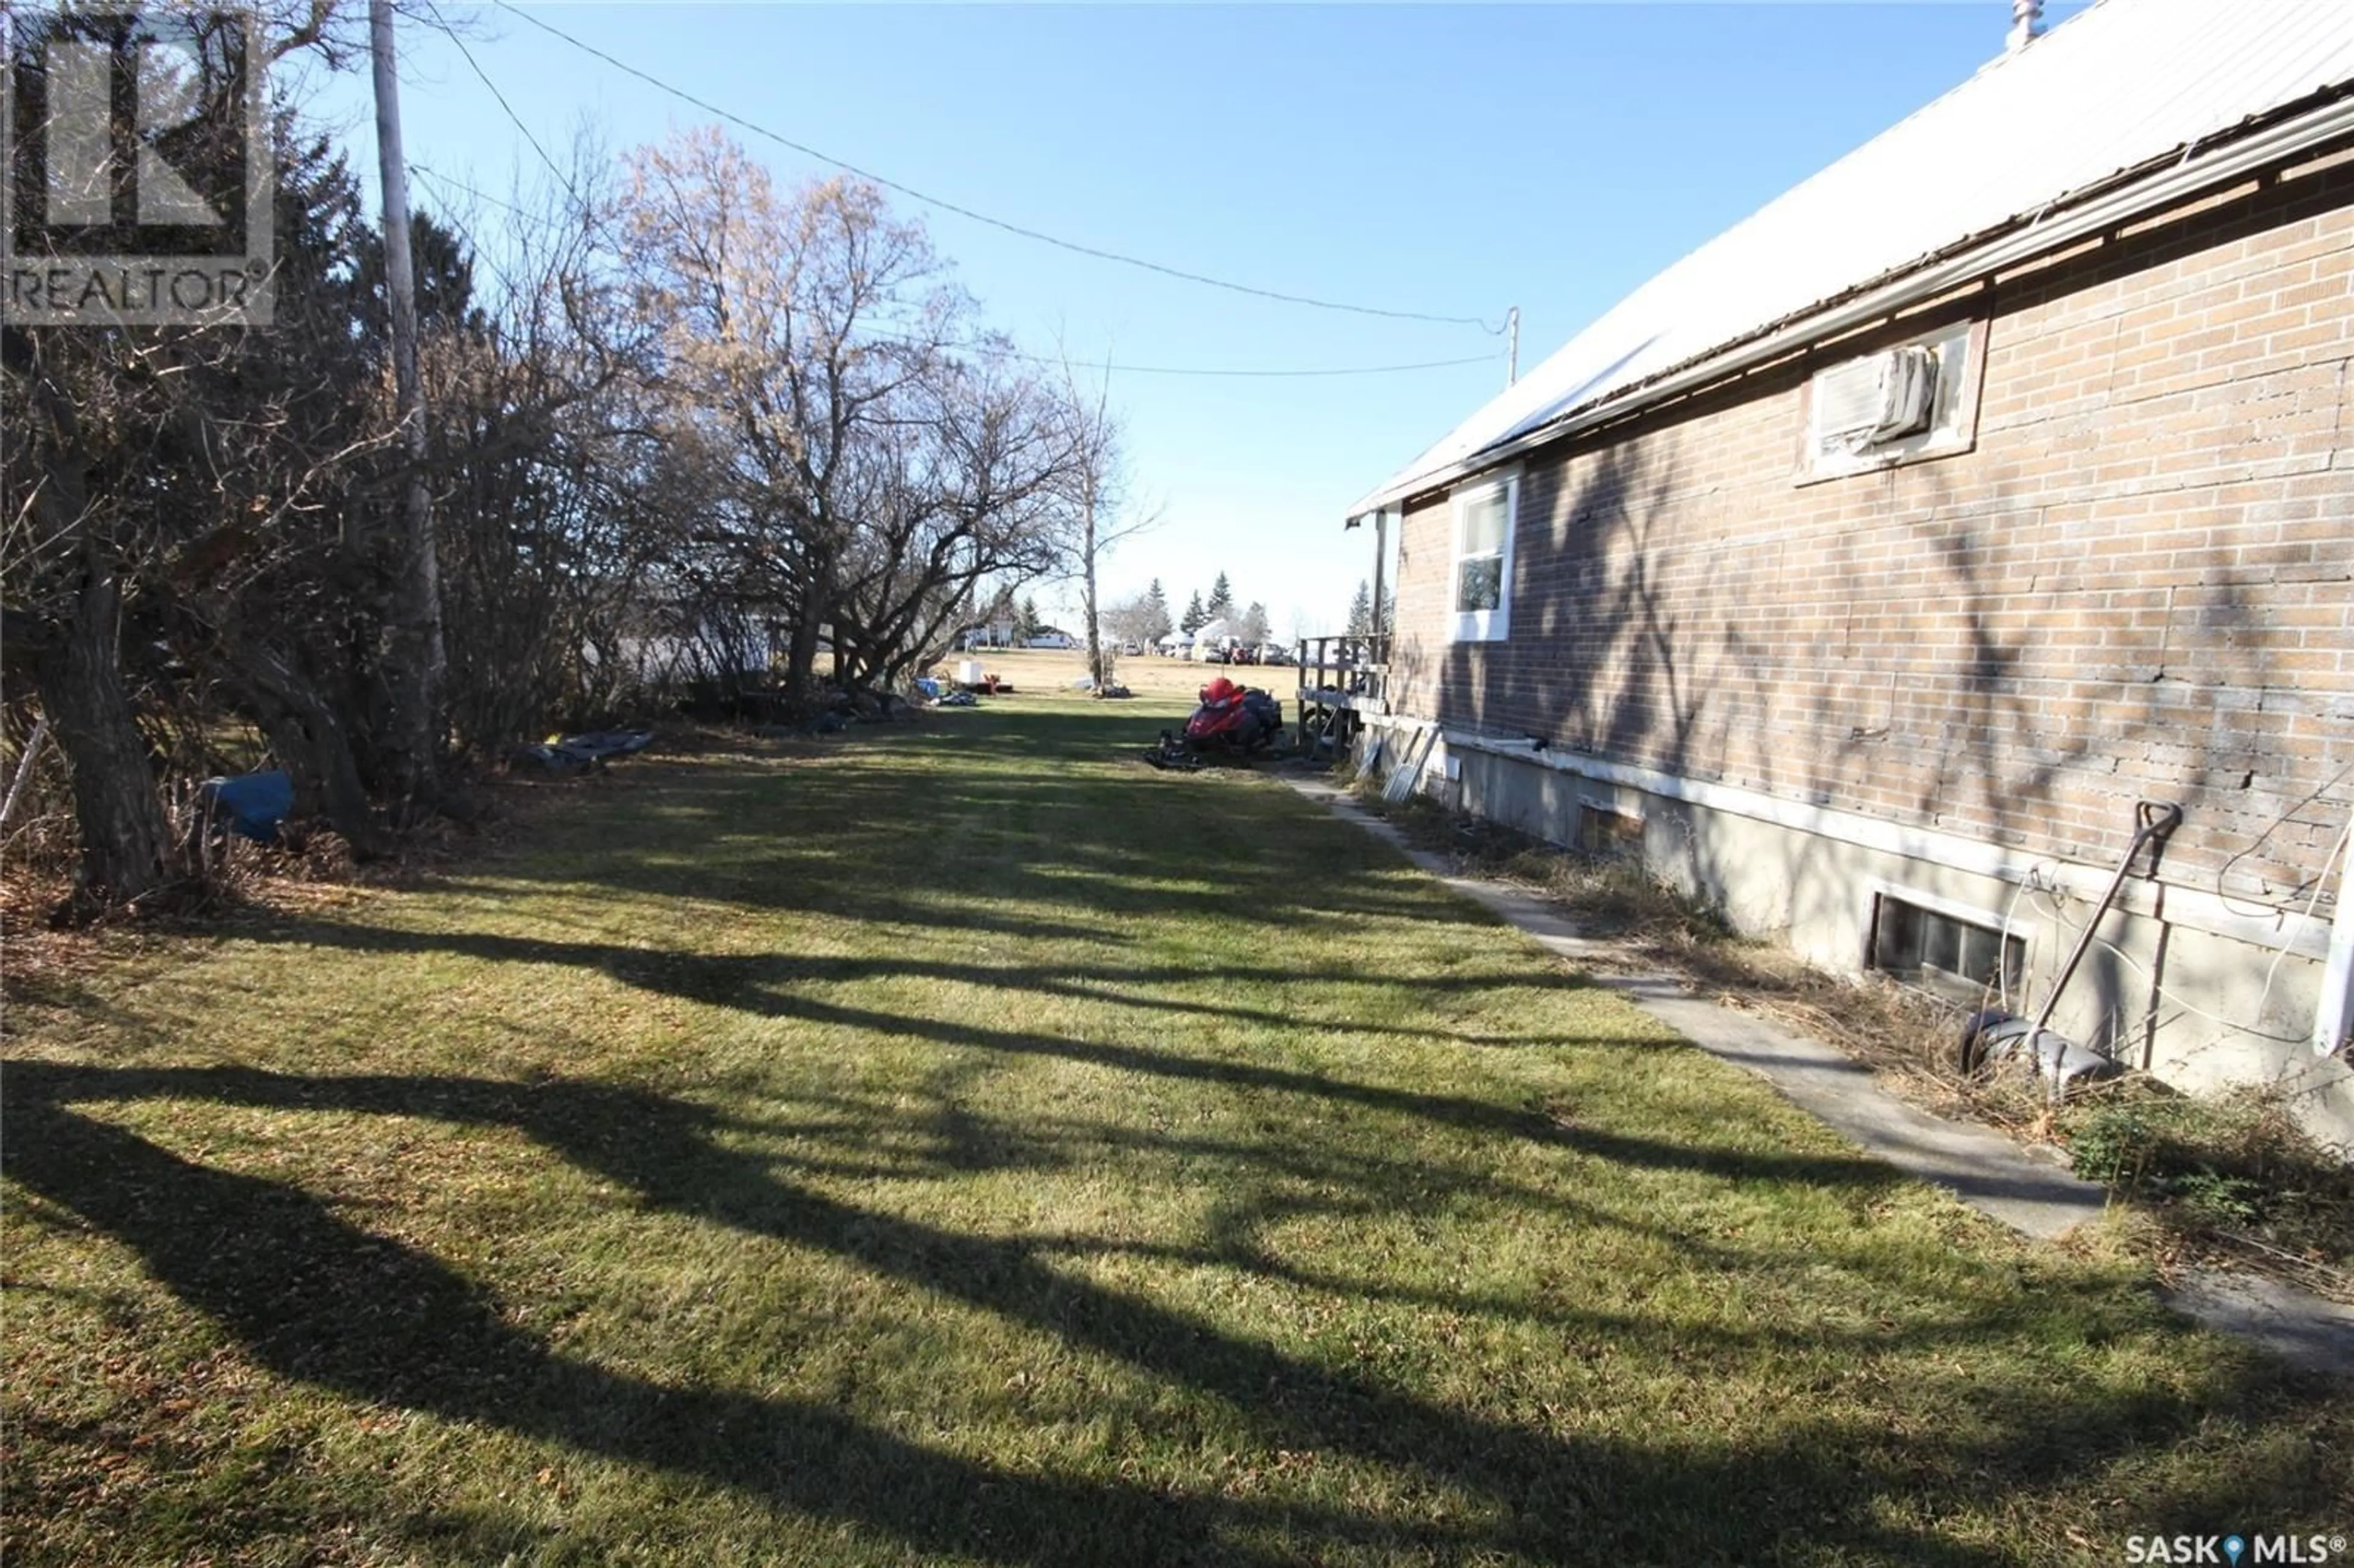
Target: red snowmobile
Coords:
[[1233, 721]]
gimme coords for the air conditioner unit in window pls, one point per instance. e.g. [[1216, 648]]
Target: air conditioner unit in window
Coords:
[[1876, 398], [1908, 388]]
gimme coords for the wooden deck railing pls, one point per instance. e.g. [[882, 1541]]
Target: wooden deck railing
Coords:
[[1340, 668]]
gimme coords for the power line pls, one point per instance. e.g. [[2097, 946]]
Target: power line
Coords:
[[998, 223], [475, 253], [1000, 351], [1003, 351], [995, 351], [1195, 370], [450, 32], [439, 178]]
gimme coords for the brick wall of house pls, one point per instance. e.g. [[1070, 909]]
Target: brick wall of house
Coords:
[[2139, 583]]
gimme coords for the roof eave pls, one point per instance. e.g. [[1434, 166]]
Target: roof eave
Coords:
[[2174, 179]]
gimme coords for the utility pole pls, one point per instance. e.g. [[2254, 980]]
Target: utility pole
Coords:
[[419, 653], [1512, 354]]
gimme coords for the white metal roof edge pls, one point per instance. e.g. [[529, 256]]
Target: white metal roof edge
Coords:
[[2164, 185]]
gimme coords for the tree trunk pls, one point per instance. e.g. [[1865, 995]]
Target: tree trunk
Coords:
[[310, 743], [849, 658], [800, 662], [1098, 667], [126, 843]]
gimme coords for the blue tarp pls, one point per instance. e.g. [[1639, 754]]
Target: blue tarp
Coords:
[[254, 804]]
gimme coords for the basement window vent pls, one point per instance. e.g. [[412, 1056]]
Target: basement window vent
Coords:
[[1914, 400], [1945, 952], [1604, 834]]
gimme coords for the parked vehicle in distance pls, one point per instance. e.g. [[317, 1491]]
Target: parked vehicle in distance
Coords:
[[1051, 640]]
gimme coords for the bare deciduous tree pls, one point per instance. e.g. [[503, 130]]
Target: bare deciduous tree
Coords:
[[1099, 498], [693, 426]]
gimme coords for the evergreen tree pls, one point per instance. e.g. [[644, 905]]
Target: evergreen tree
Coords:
[[1361, 610], [1252, 626], [1029, 625], [1190, 621], [1221, 598], [1157, 614]]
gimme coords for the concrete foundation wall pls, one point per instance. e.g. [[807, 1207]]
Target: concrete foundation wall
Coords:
[[1815, 891]]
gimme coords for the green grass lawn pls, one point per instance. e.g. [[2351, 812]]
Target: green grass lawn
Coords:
[[962, 1144]]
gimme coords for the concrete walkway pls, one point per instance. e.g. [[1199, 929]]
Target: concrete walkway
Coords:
[[2027, 1189]]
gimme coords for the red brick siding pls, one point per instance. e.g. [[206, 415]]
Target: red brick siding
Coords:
[[2137, 584]]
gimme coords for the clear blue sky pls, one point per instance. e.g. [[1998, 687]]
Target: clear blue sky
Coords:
[[1449, 160]]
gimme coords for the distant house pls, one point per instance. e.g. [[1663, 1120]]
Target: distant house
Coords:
[[1864, 569], [995, 634]]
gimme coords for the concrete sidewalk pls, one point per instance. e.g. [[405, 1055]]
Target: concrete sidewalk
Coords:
[[2029, 1189]]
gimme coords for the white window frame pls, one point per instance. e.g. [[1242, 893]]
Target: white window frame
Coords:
[[1482, 625]]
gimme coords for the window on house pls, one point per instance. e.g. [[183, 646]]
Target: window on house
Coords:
[[1954, 954], [1913, 401], [1484, 515]]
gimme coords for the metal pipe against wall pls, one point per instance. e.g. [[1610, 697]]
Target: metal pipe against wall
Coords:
[[2333, 1016], [2153, 821]]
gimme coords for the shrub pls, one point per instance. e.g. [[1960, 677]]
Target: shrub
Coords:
[[2236, 1161]]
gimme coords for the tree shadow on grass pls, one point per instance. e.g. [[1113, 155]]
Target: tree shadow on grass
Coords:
[[765, 983], [1024, 833], [315, 1299], [778, 986], [318, 1301]]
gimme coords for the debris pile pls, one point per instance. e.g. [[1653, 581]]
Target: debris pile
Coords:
[[561, 756]]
